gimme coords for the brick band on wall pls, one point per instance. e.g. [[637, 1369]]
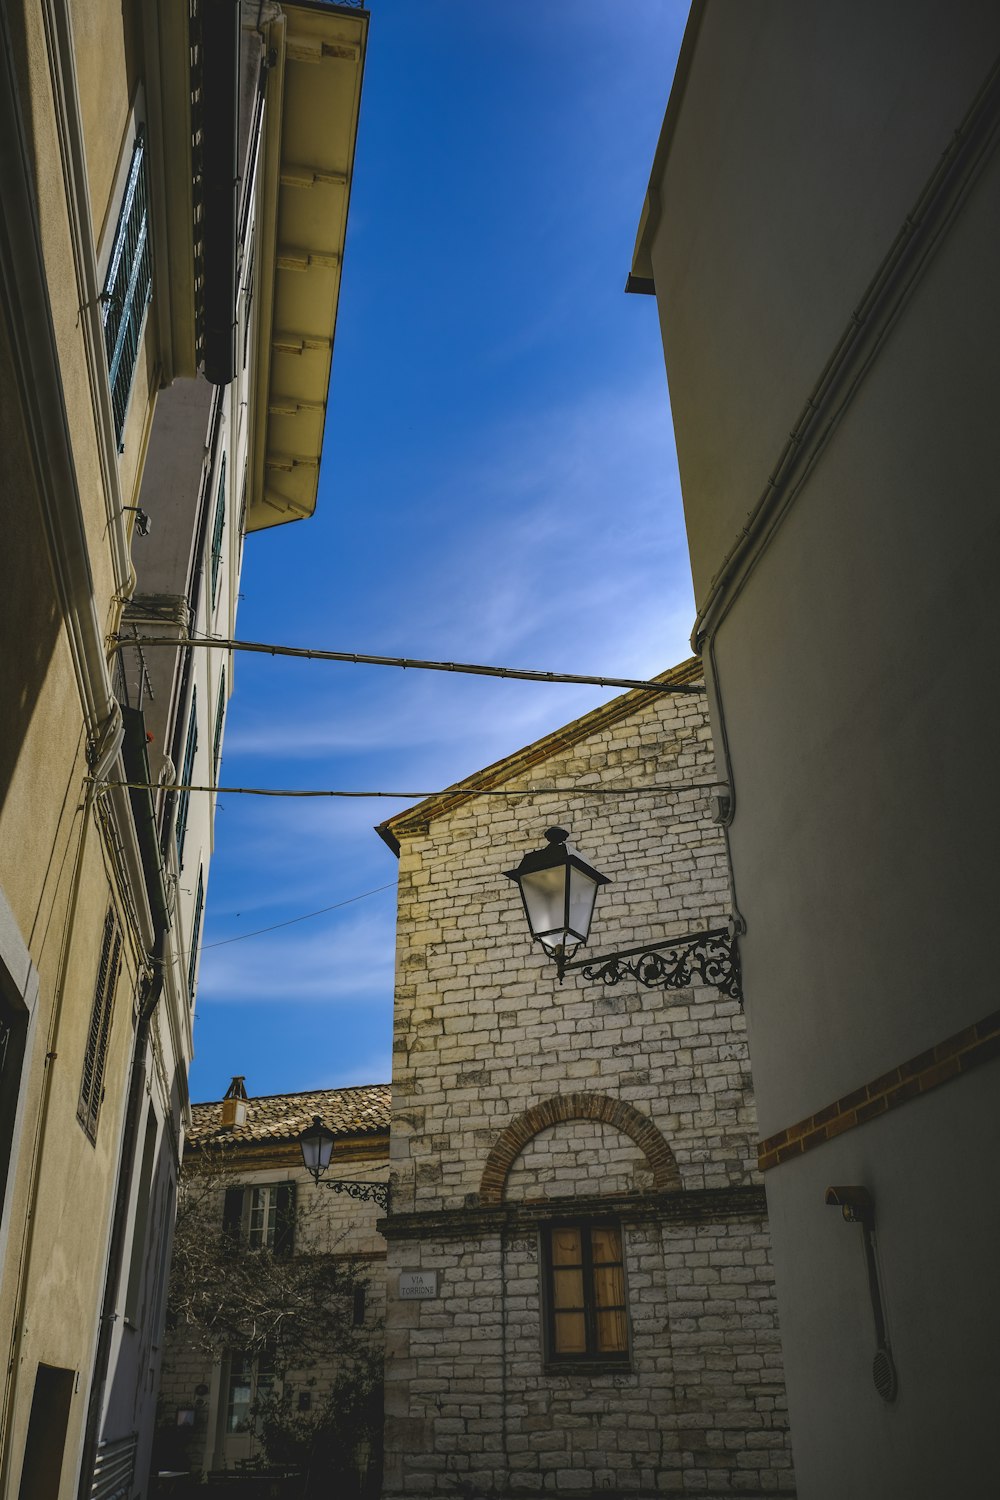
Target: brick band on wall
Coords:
[[562, 1107], [957, 1054]]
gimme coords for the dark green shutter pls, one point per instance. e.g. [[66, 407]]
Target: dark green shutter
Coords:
[[187, 771], [232, 1216], [127, 288], [96, 1053], [219, 528], [199, 907], [284, 1234]]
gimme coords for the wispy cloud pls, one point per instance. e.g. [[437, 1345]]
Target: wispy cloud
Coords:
[[348, 960]]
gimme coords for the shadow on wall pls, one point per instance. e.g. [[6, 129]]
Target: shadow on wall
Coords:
[[29, 616]]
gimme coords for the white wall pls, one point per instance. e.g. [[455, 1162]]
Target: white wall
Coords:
[[853, 655]]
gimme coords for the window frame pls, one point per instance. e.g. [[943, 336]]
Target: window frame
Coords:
[[592, 1358], [127, 287], [256, 1373], [237, 1210]]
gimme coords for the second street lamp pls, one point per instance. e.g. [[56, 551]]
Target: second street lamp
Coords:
[[316, 1144]]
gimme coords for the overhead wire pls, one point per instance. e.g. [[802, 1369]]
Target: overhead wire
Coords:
[[665, 788], [291, 921], [358, 659]]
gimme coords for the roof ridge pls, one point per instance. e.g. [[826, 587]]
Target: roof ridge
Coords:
[[441, 803], [300, 1094]]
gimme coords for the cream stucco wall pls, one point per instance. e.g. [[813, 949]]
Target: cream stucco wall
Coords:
[[819, 161]]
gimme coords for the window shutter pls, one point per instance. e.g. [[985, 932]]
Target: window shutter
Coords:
[[284, 1238], [219, 527], [199, 906], [187, 771], [128, 288], [96, 1053], [220, 714], [232, 1217]]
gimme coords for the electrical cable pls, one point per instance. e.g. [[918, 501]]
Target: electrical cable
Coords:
[[355, 658], [450, 791], [242, 936]]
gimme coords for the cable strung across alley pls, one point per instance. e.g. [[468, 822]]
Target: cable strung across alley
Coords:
[[666, 788], [355, 658]]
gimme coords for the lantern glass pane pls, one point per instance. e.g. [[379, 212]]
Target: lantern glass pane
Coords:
[[545, 899], [582, 895], [317, 1148]]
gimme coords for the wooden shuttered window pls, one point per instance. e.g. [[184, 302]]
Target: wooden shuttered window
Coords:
[[220, 716], [199, 907], [219, 527], [96, 1054], [127, 287], [584, 1275], [187, 771], [232, 1217], [260, 1218], [284, 1234]]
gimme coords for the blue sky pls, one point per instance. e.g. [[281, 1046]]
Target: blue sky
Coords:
[[499, 484]]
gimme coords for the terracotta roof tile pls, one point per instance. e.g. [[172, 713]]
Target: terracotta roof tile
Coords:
[[280, 1117]]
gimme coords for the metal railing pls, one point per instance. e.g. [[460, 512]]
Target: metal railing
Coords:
[[114, 1469]]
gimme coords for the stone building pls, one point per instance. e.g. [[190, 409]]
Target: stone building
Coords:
[[820, 233], [579, 1274], [247, 1151]]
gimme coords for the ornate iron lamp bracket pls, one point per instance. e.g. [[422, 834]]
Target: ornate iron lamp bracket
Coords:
[[362, 1192], [671, 965]]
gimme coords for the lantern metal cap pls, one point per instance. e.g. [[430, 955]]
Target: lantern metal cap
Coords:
[[557, 851]]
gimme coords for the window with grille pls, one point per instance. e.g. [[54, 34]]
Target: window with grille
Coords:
[[584, 1293], [128, 287], [220, 714], [96, 1054], [199, 907], [218, 530], [184, 796]]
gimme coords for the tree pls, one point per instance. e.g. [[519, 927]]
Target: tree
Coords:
[[320, 1411]]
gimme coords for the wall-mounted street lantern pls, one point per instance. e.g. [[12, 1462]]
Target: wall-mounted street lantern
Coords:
[[559, 891], [316, 1143]]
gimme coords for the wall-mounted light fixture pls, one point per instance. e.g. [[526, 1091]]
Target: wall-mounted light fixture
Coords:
[[857, 1206], [559, 892], [143, 524], [316, 1144]]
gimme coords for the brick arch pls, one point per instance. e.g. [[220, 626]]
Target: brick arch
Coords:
[[624, 1117]]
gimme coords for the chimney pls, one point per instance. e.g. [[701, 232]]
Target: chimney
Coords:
[[234, 1105]]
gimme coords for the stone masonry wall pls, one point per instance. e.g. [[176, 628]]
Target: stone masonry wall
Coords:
[[485, 1035]]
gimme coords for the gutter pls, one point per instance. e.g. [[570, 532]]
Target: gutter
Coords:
[[220, 30]]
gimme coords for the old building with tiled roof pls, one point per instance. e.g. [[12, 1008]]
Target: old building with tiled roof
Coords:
[[278, 1119], [247, 1150]]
